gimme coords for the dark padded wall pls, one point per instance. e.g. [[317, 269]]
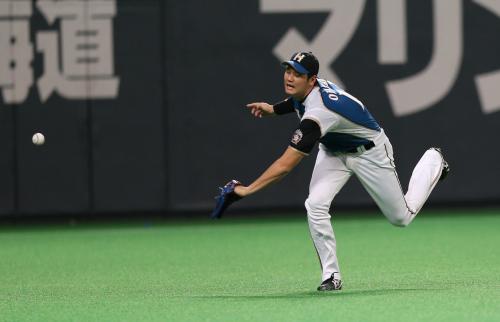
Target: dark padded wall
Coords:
[[178, 127], [53, 178], [127, 133], [7, 161], [101, 154]]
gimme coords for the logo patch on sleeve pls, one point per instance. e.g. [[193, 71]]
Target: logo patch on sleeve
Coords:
[[297, 136]]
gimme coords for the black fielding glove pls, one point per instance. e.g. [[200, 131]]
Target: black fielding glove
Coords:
[[226, 197]]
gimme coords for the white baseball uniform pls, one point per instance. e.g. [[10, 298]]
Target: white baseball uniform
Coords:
[[352, 142]]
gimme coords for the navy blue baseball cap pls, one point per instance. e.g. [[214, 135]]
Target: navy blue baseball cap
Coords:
[[304, 63]]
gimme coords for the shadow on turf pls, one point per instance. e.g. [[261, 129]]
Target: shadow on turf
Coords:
[[310, 294]]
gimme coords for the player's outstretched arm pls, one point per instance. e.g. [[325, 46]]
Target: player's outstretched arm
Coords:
[[260, 109], [279, 169], [234, 190]]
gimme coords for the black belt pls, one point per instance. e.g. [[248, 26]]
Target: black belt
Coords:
[[367, 147]]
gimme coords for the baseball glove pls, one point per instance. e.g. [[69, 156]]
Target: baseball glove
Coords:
[[226, 197]]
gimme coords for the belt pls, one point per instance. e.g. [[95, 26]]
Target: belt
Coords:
[[362, 148]]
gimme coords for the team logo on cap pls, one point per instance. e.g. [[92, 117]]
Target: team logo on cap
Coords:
[[298, 57], [297, 136]]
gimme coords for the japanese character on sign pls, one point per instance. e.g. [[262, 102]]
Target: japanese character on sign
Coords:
[[16, 51], [87, 53], [78, 59]]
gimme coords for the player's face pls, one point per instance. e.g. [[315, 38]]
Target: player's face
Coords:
[[297, 85]]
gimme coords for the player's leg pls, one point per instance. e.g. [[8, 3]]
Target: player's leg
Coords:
[[376, 171], [329, 176], [424, 178]]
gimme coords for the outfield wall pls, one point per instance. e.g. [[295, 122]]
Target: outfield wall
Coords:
[[142, 101]]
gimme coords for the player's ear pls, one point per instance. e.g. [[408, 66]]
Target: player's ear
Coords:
[[312, 79]]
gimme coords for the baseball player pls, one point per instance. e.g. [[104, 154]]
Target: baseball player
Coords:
[[351, 142]]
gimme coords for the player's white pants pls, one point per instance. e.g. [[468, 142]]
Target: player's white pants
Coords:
[[376, 170]]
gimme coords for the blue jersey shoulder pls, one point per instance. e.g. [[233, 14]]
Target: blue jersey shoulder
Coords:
[[346, 105]]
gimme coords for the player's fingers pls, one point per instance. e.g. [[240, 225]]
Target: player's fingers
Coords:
[[257, 109], [257, 105], [256, 112]]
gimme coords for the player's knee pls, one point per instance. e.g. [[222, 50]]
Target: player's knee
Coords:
[[316, 210], [399, 220], [399, 223]]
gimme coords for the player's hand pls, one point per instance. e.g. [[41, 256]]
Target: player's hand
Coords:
[[261, 109]]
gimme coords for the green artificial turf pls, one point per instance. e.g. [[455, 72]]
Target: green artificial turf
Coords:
[[443, 267]]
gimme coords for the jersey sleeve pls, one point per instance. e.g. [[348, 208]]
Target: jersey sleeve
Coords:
[[305, 136], [284, 107]]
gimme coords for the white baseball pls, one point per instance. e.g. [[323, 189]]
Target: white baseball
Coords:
[[38, 139]]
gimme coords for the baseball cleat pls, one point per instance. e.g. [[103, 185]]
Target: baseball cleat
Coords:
[[330, 284], [446, 170], [446, 167]]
